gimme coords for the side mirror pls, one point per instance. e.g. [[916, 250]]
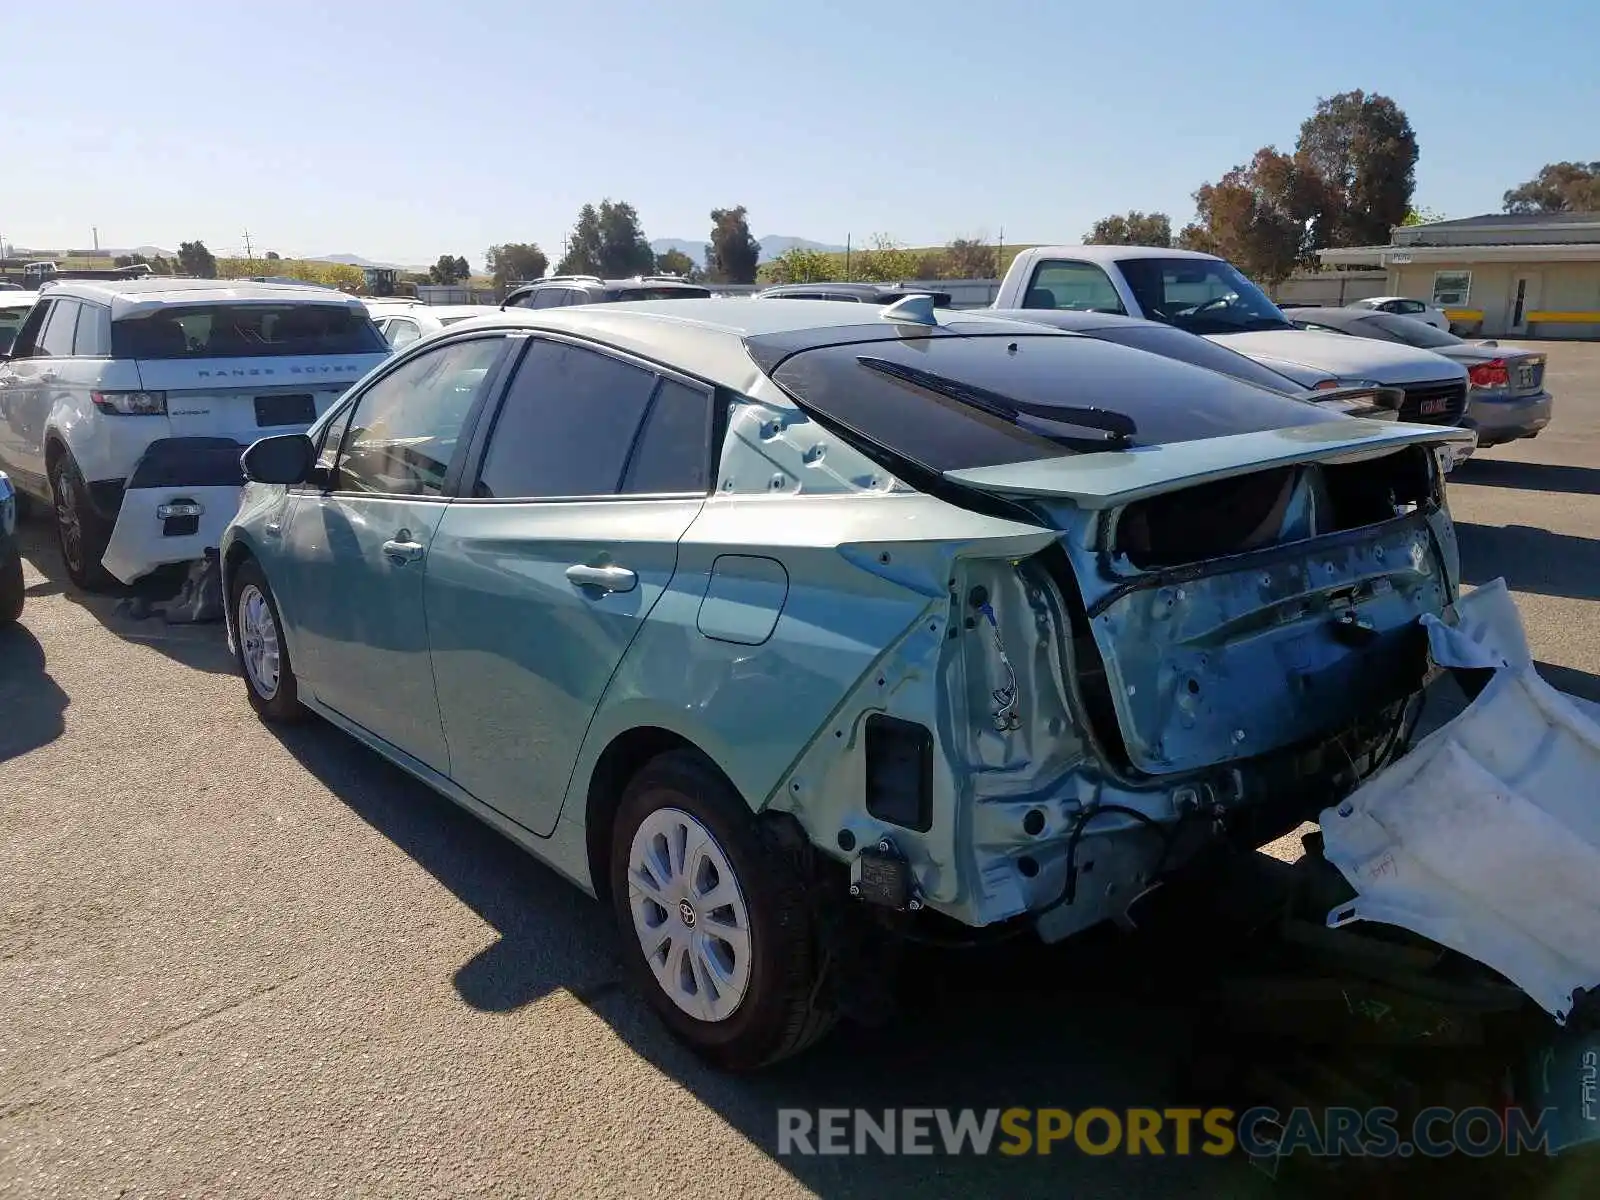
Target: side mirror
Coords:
[[287, 458]]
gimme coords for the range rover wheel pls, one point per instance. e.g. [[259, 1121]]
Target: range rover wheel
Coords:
[[712, 914], [82, 533], [258, 643]]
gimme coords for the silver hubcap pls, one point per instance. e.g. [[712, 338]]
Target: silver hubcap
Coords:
[[258, 636], [689, 914], [67, 521]]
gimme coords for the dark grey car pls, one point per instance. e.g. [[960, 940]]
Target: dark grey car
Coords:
[[1507, 399], [858, 293], [559, 291]]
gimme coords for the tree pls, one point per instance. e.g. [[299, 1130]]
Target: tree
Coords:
[[1356, 160], [799, 265], [676, 262], [515, 262], [129, 260], [970, 258], [1422, 216], [194, 259], [449, 269], [1558, 187], [607, 241], [1249, 218], [885, 261], [1131, 229], [274, 256], [732, 254]]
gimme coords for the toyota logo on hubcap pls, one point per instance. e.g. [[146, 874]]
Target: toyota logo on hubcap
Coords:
[[686, 911]]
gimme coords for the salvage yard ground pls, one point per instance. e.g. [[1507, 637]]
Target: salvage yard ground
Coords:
[[239, 963]]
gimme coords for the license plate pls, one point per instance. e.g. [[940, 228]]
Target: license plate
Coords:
[[1524, 376], [1432, 408], [297, 409], [1564, 1079]]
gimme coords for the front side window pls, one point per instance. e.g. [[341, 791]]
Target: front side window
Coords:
[[402, 332], [1452, 289], [11, 320], [567, 426], [1076, 286], [547, 298], [55, 340], [1200, 295], [332, 436], [246, 331], [406, 427], [23, 346], [1408, 307]]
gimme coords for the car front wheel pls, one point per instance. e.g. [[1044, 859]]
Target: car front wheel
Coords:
[[258, 643], [712, 913]]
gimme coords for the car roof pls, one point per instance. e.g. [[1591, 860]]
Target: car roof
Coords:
[[17, 299], [442, 311], [1329, 315], [129, 297], [1115, 253], [706, 337]]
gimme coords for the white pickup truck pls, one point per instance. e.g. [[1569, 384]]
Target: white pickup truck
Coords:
[[1207, 295]]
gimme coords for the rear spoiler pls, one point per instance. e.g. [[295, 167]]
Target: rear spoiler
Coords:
[[1108, 478]]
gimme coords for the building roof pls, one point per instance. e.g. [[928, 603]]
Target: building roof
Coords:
[[1512, 220]]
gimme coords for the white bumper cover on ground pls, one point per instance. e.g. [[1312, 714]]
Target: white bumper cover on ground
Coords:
[[1486, 837], [139, 544]]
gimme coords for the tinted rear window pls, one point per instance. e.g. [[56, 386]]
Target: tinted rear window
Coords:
[[1186, 347], [246, 331], [1165, 401], [662, 293]]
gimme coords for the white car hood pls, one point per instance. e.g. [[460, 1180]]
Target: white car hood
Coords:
[[1342, 355]]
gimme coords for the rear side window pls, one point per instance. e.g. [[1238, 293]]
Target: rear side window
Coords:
[[402, 332], [93, 336], [246, 331], [567, 426], [55, 340], [546, 298], [662, 293], [1079, 286], [673, 450]]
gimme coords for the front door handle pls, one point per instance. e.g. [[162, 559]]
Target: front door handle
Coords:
[[401, 549], [607, 579]]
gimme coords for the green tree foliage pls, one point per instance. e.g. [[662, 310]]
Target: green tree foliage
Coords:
[[1247, 219], [732, 254], [129, 260], [607, 241], [449, 269], [515, 262], [799, 265], [1422, 216], [1361, 153], [676, 262], [1558, 187], [194, 259], [335, 275], [884, 261], [273, 256], [969, 258], [1131, 229]]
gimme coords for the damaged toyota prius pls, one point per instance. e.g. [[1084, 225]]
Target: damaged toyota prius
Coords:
[[773, 622]]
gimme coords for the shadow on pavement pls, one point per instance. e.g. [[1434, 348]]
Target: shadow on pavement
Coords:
[[31, 702], [1529, 476], [1023, 1025], [202, 647], [1532, 560]]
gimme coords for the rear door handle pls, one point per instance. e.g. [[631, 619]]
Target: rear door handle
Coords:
[[401, 549], [607, 579]]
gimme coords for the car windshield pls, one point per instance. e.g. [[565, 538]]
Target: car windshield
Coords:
[[1185, 347], [1413, 333], [950, 402], [246, 331], [1200, 295]]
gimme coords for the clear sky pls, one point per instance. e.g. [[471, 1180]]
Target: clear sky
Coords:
[[404, 129]]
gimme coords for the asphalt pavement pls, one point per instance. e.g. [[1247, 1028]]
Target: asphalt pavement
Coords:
[[238, 962]]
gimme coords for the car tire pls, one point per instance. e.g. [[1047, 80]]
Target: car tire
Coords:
[[737, 1009], [13, 592], [260, 648], [81, 533]]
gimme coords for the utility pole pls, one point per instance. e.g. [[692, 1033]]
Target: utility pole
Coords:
[[1000, 257], [95, 229], [847, 257], [247, 252]]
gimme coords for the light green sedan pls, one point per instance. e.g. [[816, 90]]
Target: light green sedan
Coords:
[[790, 629]]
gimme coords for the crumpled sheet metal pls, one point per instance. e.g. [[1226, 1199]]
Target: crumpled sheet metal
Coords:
[[1486, 837]]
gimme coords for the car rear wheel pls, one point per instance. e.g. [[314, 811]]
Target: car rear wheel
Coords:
[[82, 533], [12, 590], [712, 912], [259, 646]]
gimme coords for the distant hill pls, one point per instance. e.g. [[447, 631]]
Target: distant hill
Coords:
[[772, 246], [354, 260]]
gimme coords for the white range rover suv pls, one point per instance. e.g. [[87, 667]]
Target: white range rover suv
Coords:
[[125, 404]]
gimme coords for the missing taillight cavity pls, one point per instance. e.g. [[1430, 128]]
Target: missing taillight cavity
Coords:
[[899, 772], [1272, 507]]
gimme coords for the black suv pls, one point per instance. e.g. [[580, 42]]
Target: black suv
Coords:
[[861, 293], [557, 291]]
